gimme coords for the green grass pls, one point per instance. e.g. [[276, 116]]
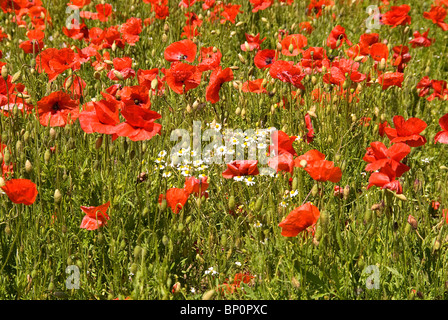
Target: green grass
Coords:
[[145, 249]]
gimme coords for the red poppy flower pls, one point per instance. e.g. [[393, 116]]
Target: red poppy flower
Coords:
[[124, 67], [313, 58], [310, 130], [104, 11], [397, 16], [282, 162], [186, 3], [260, 4], [57, 109], [131, 29], [95, 217], [112, 35], [102, 119], [217, 79], [385, 179], [337, 38], [196, 186], [323, 170], [305, 26], [379, 157], [379, 51], [421, 39], [176, 198], [137, 95], [424, 86], [35, 43], [407, 131], [77, 86], [286, 71], [437, 14], [401, 56], [238, 279], [282, 143], [440, 90], [183, 50], [238, 168], [21, 191], [78, 3], [442, 136], [390, 79], [182, 77], [381, 127], [54, 61], [162, 11], [209, 59], [265, 58], [145, 78], [315, 7], [139, 124], [293, 44], [308, 157], [230, 12], [253, 42], [299, 220], [255, 86]]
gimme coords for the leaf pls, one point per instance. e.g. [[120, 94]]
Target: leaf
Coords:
[[394, 272]]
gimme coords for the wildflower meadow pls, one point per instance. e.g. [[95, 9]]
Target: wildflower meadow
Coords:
[[224, 150]]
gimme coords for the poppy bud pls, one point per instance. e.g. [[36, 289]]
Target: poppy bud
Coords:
[[98, 142], [259, 204], [243, 61], [16, 76], [313, 80], [318, 234], [166, 27], [28, 166], [165, 240], [47, 156], [154, 83], [346, 192], [232, 203], [324, 218], [5, 72], [238, 111], [246, 46], [427, 70], [163, 205], [188, 108], [279, 46], [119, 75], [96, 75], [413, 222], [57, 196], [6, 157], [208, 295], [402, 197], [436, 245], [232, 34], [243, 113], [52, 134], [114, 47], [367, 216], [137, 251], [382, 64], [176, 288], [358, 58], [407, 229], [291, 48]]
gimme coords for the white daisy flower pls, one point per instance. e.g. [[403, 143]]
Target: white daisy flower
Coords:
[[258, 224], [238, 178], [166, 174], [162, 154], [250, 181]]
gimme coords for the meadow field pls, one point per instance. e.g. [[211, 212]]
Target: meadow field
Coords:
[[224, 150]]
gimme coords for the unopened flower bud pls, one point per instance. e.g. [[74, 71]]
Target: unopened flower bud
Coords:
[[57, 196], [28, 166], [413, 222]]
